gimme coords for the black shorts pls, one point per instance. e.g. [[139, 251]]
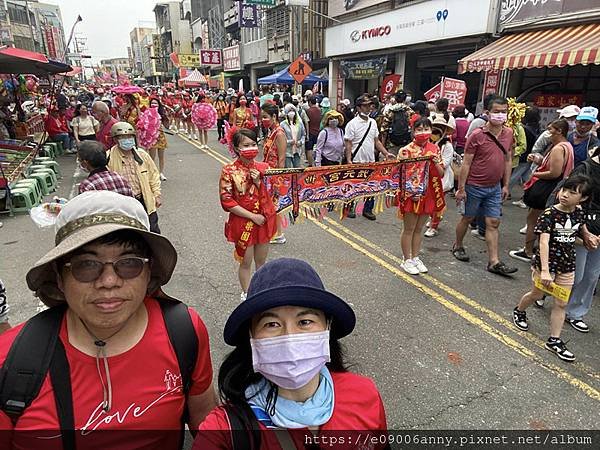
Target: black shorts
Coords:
[[311, 141]]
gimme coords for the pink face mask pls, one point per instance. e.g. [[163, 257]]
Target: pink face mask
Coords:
[[292, 360]]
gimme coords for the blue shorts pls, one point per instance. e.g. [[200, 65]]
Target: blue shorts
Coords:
[[483, 201]]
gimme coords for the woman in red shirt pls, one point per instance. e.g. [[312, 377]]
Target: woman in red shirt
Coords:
[[287, 369], [421, 193], [252, 219]]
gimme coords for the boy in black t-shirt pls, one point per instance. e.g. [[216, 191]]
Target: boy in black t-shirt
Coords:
[[554, 261]]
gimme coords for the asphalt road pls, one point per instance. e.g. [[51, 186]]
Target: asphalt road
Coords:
[[441, 347]]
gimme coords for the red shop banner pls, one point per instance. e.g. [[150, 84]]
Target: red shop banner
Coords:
[[455, 91], [557, 100], [210, 57], [491, 82], [433, 94], [391, 83]]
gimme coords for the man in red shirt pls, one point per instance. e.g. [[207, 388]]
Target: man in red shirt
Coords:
[[117, 333], [314, 127], [102, 113], [483, 182], [57, 130]]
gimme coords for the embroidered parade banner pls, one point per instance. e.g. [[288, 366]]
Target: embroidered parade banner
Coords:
[[316, 190]]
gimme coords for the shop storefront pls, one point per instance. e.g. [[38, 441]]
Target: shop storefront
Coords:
[[551, 66], [420, 42]]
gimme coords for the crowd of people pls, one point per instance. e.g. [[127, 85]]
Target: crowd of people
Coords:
[[111, 328]]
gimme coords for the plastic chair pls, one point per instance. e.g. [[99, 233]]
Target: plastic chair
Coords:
[[23, 199], [51, 165], [43, 181], [33, 184], [49, 172]]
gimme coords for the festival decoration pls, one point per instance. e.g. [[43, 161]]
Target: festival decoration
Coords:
[[516, 112], [148, 127], [204, 115], [318, 190]]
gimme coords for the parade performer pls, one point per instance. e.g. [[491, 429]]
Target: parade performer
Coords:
[[274, 149], [441, 134], [242, 115], [222, 115], [554, 261], [130, 110], [150, 133], [421, 193], [252, 219], [187, 104], [204, 117]]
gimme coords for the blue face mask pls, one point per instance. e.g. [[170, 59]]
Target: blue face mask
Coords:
[[127, 143]]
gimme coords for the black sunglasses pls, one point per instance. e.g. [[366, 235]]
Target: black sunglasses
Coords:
[[88, 270]]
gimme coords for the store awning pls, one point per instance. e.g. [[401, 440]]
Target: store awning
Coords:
[[16, 60], [557, 47]]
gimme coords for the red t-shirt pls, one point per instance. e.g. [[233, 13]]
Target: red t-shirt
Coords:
[[55, 125], [358, 408], [489, 161], [103, 134], [146, 387], [314, 120]]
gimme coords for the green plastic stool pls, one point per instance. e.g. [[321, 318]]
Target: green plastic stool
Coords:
[[48, 151], [43, 181], [22, 199], [51, 165], [59, 148], [53, 149], [33, 184], [51, 174], [41, 159]]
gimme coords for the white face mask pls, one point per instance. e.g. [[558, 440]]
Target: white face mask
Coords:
[[291, 115], [334, 123], [127, 143]]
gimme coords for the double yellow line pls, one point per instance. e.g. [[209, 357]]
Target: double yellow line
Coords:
[[392, 263]]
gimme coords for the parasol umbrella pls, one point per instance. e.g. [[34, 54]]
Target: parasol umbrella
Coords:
[[127, 89]]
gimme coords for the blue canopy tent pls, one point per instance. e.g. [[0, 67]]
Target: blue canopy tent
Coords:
[[283, 77]]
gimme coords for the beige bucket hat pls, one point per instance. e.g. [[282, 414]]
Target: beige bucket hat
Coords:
[[90, 216]]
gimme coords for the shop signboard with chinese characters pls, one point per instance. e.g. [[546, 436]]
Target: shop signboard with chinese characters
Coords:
[[248, 15], [50, 43], [433, 94], [549, 104], [231, 58], [363, 70], [339, 7], [211, 57], [261, 2], [453, 90], [430, 21], [522, 12], [189, 60], [339, 89], [390, 85], [491, 82]]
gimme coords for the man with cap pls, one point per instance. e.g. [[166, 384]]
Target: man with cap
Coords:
[[582, 138], [287, 369], [395, 127], [361, 141], [138, 168], [112, 337]]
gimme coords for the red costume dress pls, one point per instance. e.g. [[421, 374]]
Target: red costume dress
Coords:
[[270, 153], [237, 189], [421, 190]]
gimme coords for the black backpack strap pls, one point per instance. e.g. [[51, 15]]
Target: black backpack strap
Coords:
[[241, 436], [325, 130], [355, 152], [28, 360], [183, 338], [63, 395]]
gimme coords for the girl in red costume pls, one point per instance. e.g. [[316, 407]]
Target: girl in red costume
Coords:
[[252, 219], [421, 193], [274, 151]]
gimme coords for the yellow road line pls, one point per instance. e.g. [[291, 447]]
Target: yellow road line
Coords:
[[460, 296], [222, 159], [503, 338]]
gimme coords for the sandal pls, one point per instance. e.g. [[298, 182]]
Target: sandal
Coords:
[[501, 269]]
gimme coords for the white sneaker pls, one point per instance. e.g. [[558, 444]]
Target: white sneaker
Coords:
[[475, 233], [279, 239], [431, 232], [523, 230], [162, 177], [520, 204], [410, 267], [428, 224], [422, 268], [243, 297]]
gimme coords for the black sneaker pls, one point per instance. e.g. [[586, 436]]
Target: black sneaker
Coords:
[[501, 269], [539, 303], [521, 255], [520, 319], [579, 325], [460, 254], [369, 215], [558, 346]]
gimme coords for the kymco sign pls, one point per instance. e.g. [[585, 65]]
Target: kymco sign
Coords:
[[357, 35]]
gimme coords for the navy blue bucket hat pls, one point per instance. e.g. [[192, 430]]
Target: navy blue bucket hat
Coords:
[[288, 282]]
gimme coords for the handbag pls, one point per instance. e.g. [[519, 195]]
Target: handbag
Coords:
[[536, 195]]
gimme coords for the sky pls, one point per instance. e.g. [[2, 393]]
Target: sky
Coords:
[[106, 23]]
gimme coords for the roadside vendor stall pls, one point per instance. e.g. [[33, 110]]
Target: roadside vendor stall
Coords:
[[25, 175]]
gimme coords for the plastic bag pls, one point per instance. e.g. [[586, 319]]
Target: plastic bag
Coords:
[[44, 216]]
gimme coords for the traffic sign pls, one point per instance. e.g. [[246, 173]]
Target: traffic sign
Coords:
[[299, 69]]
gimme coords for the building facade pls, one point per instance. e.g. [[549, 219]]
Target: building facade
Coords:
[[137, 36], [174, 34]]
